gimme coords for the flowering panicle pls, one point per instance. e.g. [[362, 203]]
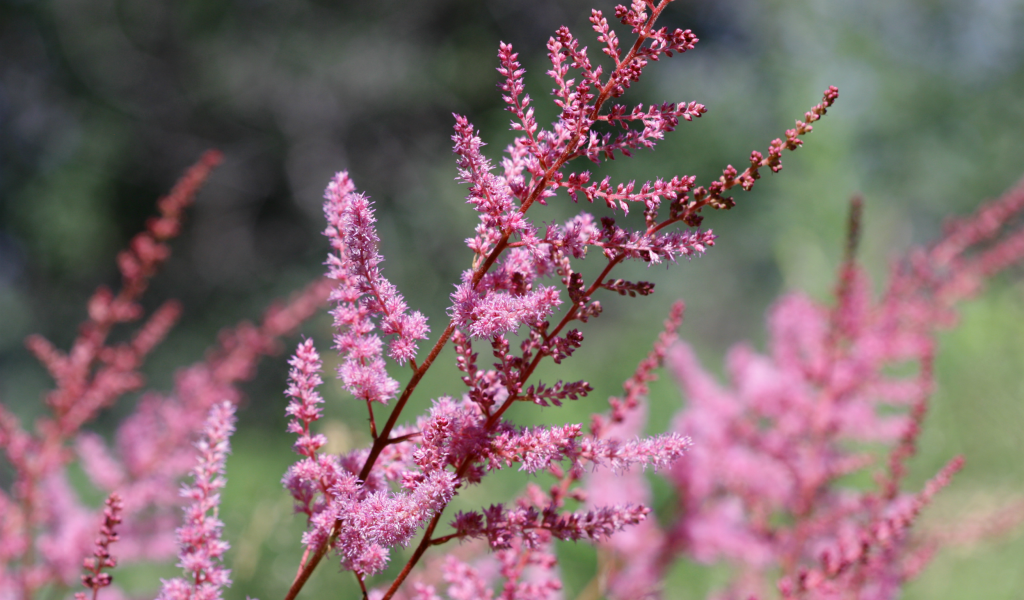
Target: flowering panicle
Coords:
[[88, 378], [612, 447], [307, 479], [624, 484], [760, 487], [305, 405], [361, 522], [502, 526], [47, 529], [362, 292], [861, 558], [153, 445], [758, 465], [522, 280], [517, 573], [490, 194], [102, 558], [92, 375], [201, 548]]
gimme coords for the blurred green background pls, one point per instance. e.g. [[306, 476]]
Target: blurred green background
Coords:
[[103, 103]]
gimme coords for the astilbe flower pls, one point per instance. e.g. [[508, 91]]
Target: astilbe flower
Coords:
[[758, 481], [362, 291], [153, 445], [45, 528], [201, 548], [520, 572], [522, 280], [102, 559], [760, 489], [88, 378], [641, 574]]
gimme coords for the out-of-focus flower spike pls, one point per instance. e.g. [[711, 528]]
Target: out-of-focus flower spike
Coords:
[[102, 468], [201, 549], [101, 559], [156, 328], [980, 227]]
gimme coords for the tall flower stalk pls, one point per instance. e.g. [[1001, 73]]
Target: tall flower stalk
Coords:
[[757, 466], [46, 529], [765, 488], [201, 549], [521, 278]]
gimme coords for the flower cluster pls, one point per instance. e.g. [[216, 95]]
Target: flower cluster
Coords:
[[757, 466], [762, 487], [102, 558], [47, 528], [201, 549], [524, 280], [363, 291]]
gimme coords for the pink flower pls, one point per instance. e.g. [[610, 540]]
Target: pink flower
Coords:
[[201, 549], [102, 558], [362, 292], [305, 405]]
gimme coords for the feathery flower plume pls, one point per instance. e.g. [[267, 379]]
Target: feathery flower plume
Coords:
[[761, 487], [154, 445], [201, 548], [42, 509], [521, 279], [759, 483], [361, 293], [92, 375], [47, 529]]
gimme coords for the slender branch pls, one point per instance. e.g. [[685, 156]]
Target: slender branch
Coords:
[[362, 585], [443, 539], [570, 315], [303, 575], [403, 438], [373, 423]]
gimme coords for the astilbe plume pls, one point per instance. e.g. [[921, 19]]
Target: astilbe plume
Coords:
[[90, 377], [201, 549], [523, 280], [761, 489], [101, 558], [362, 291], [46, 530], [755, 465]]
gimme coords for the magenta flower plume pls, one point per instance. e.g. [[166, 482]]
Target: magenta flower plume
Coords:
[[520, 572], [201, 549], [362, 292], [762, 487], [101, 559], [92, 375], [520, 280], [305, 408], [757, 468], [154, 446]]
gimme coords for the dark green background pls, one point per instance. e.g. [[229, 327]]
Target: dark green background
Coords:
[[103, 103]]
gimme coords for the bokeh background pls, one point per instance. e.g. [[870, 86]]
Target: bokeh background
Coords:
[[103, 103]]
